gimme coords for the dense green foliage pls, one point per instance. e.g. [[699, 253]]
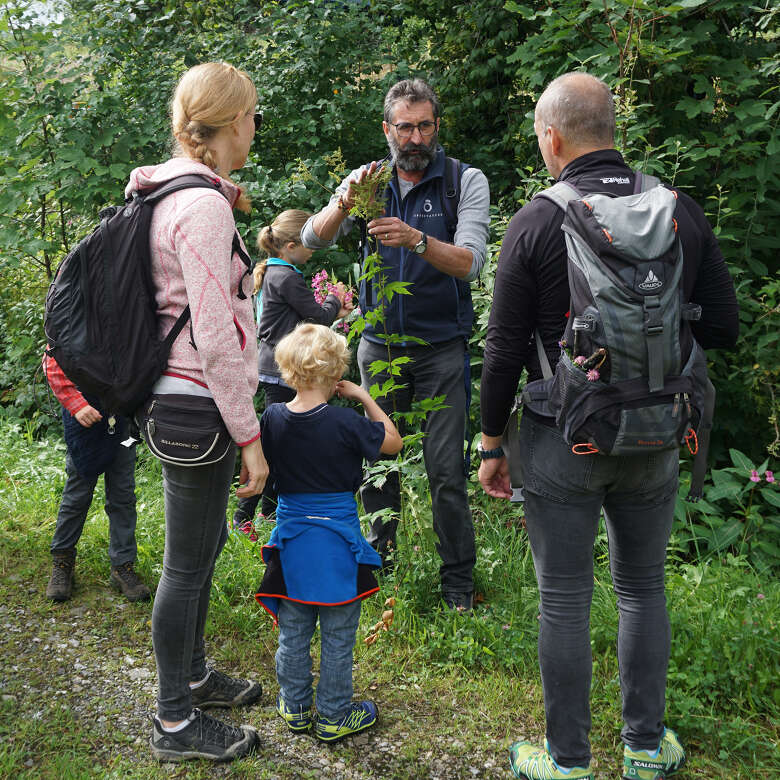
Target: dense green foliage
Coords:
[[84, 100]]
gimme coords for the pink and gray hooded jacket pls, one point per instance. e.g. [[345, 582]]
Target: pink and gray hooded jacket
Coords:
[[191, 239]]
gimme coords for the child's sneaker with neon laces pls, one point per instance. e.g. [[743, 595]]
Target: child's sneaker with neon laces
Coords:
[[296, 718], [654, 764], [362, 715], [530, 762]]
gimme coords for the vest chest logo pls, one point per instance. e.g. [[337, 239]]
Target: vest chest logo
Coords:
[[427, 211]]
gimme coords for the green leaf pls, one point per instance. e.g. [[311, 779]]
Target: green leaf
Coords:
[[727, 489], [741, 461], [725, 535], [770, 496]]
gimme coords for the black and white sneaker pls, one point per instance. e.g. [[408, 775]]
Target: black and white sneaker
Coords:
[[221, 690], [202, 737]]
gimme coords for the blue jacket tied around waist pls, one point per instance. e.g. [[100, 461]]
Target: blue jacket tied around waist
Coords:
[[439, 307], [317, 553]]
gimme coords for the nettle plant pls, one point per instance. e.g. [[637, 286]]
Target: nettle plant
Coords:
[[408, 465], [739, 513], [369, 204]]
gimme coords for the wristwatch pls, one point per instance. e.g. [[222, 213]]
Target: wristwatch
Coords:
[[498, 452], [342, 205], [422, 244]]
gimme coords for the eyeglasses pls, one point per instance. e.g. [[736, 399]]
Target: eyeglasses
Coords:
[[258, 117], [406, 129]]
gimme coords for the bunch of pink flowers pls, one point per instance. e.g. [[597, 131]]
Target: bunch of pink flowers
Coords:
[[323, 287]]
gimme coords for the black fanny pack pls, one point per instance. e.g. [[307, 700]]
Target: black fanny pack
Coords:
[[184, 430]]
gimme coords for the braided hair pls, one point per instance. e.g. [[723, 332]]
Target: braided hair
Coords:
[[208, 97]]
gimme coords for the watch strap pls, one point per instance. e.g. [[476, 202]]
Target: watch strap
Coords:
[[497, 452]]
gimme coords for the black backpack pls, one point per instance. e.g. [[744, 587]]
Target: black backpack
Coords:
[[100, 318]]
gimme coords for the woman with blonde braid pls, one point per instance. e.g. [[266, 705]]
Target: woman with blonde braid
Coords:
[[195, 263]]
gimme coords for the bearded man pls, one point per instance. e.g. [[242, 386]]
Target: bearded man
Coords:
[[432, 235]]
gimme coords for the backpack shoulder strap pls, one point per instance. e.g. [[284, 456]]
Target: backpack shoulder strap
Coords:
[[560, 194], [179, 183], [453, 174], [644, 182]]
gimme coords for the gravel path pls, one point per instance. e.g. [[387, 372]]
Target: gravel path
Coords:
[[86, 659]]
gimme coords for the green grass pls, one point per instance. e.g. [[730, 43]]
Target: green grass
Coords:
[[435, 674]]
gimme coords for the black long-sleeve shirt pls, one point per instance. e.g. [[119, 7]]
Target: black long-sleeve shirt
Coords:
[[532, 290]]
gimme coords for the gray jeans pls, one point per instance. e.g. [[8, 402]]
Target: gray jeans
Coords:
[[119, 480], [195, 533], [564, 497], [433, 370]]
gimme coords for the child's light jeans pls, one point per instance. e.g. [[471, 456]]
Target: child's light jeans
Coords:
[[338, 628]]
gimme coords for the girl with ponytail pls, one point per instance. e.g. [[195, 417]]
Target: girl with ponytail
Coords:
[[283, 299]]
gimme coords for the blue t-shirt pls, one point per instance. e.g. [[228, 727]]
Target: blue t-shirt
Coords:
[[319, 451]]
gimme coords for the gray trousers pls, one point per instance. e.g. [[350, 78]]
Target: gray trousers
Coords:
[[433, 370], [195, 533], [564, 496], [120, 507]]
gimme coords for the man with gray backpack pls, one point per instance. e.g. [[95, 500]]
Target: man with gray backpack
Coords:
[[609, 286]]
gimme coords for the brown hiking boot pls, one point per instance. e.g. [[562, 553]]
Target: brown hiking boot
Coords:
[[125, 578], [61, 581]]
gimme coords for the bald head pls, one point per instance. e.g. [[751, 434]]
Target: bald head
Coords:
[[582, 110]]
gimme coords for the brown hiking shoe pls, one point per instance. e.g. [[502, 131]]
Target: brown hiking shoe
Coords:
[[61, 581], [125, 578]]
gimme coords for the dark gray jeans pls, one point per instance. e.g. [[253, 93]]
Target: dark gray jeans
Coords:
[[564, 495], [120, 507], [195, 533], [433, 370]]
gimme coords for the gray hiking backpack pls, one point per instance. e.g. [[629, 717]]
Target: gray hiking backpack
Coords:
[[631, 378]]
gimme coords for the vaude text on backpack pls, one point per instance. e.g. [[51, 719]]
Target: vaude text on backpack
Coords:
[[631, 377], [100, 318]]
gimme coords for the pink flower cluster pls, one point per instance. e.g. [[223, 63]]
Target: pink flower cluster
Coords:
[[322, 286], [756, 477]]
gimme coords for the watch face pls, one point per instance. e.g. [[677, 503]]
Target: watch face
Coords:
[[421, 247]]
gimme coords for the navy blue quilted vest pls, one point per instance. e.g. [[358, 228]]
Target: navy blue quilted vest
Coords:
[[439, 307]]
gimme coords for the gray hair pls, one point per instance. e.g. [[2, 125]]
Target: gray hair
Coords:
[[411, 91], [580, 107]]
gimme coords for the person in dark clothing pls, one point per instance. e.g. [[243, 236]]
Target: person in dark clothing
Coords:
[[93, 448], [419, 245], [564, 492], [283, 299]]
